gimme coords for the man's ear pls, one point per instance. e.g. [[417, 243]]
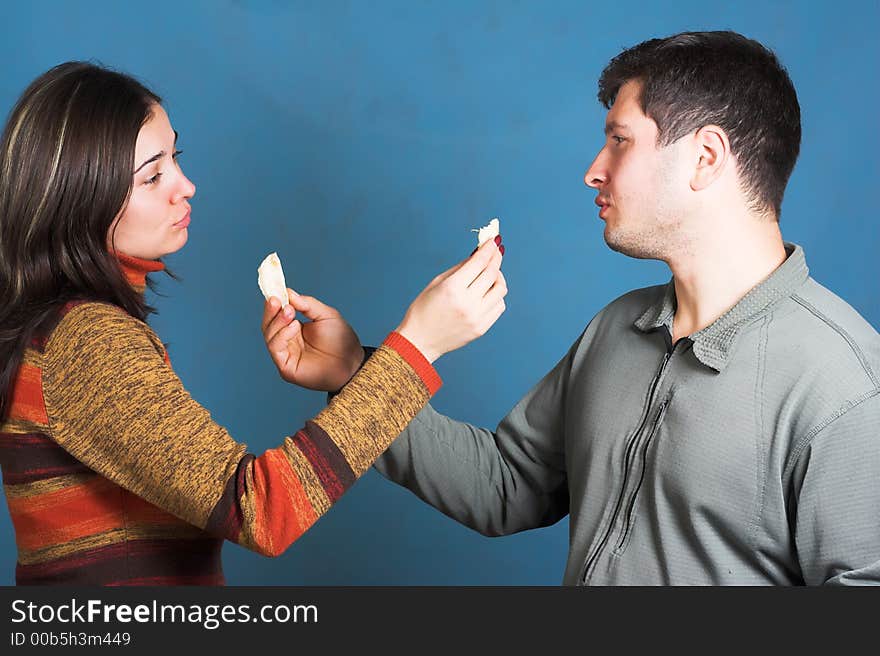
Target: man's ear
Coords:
[[712, 154]]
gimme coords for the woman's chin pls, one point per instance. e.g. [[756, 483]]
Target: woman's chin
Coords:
[[179, 242]]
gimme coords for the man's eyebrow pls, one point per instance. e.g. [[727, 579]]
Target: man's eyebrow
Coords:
[[158, 155], [614, 125]]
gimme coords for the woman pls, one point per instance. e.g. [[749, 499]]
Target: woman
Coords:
[[113, 474]]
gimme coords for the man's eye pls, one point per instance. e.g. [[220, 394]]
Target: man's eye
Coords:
[[617, 139], [176, 154]]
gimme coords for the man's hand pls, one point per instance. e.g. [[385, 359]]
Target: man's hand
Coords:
[[321, 354]]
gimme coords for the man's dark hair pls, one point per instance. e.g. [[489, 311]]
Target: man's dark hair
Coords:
[[694, 79]]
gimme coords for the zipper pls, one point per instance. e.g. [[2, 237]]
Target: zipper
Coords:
[[632, 502], [591, 561]]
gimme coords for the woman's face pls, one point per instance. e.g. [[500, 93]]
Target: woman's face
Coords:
[[154, 223]]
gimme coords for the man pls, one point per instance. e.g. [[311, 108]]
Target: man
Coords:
[[723, 428]]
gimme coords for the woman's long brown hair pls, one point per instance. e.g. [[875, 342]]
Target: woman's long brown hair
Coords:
[[66, 161]]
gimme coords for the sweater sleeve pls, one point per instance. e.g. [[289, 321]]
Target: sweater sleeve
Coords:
[[116, 405]]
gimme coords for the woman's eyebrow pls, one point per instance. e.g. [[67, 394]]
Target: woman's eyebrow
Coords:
[[158, 155]]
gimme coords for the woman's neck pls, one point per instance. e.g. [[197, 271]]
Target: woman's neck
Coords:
[[136, 269]]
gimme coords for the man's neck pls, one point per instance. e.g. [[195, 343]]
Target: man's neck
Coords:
[[720, 269]]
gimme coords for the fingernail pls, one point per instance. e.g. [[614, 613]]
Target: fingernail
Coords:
[[501, 248], [498, 240], [288, 312]]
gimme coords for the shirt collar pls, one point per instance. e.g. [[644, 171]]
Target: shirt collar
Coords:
[[714, 343]]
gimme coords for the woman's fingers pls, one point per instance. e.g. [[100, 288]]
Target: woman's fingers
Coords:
[[440, 277], [487, 277], [496, 292], [497, 241], [475, 264]]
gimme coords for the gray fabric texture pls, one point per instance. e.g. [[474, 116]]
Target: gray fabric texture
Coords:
[[745, 454]]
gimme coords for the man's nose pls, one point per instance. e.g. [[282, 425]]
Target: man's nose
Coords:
[[596, 175]]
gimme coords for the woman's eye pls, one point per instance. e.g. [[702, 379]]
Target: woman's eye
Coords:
[[155, 178]]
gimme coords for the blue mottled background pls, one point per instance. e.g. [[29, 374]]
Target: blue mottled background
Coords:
[[363, 140]]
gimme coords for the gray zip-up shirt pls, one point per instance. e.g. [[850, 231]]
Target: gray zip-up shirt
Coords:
[[747, 453]]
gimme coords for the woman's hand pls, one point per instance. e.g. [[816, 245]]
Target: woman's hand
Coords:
[[321, 354], [459, 305]]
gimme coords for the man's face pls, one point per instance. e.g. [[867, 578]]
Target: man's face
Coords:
[[641, 187]]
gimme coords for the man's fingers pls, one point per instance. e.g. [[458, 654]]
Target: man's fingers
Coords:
[[314, 309], [280, 322], [279, 344], [298, 302], [270, 312]]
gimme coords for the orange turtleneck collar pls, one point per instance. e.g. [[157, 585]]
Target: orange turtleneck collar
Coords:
[[136, 269]]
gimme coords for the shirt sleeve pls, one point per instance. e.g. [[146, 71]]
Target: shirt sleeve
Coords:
[[495, 482], [116, 405], [837, 494]]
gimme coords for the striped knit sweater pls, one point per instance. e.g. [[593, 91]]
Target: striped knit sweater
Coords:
[[114, 475]]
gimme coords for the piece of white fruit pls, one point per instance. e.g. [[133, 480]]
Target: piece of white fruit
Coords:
[[487, 232], [270, 278]]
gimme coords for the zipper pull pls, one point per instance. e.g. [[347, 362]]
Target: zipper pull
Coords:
[[662, 412]]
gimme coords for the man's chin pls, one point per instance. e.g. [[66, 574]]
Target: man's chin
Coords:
[[629, 245], [617, 241]]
